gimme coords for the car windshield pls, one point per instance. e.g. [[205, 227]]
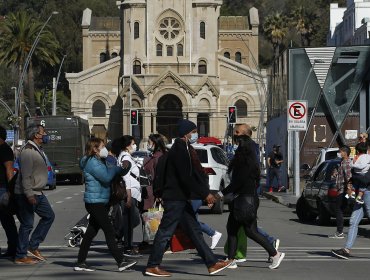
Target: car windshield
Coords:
[[331, 155], [202, 155]]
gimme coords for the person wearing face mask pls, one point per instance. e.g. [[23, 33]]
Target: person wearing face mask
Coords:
[[124, 147], [32, 179], [184, 180], [98, 178]]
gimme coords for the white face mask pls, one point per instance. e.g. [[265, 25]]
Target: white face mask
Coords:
[[103, 153], [133, 148]]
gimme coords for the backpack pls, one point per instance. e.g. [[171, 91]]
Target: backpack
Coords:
[[159, 179]]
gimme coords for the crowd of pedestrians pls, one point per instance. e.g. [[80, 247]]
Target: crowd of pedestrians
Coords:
[[184, 189]]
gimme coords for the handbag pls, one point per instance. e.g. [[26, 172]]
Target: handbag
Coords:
[[151, 221], [241, 250], [117, 191], [245, 208]]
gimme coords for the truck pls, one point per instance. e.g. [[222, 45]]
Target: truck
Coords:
[[68, 137]]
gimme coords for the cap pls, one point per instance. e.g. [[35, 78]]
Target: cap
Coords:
[[185, 126]]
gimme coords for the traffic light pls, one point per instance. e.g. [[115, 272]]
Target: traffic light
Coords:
[[134, 117], [231, 114]]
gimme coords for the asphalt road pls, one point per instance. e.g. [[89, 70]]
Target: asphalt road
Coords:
[[306, 246]]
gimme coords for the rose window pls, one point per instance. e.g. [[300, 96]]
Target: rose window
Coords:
[[169, 28]]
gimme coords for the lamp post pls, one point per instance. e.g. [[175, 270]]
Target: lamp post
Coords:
[[55, 85], [23, 74]]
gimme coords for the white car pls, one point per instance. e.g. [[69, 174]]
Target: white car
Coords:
[[215, 163]]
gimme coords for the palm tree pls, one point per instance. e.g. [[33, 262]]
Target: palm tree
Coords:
[[18, 33], [276, 29], [304, 24]]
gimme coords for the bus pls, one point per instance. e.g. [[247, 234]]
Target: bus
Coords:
[[68, 137]]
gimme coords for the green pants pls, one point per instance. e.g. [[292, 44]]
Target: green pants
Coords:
[[241, 251]]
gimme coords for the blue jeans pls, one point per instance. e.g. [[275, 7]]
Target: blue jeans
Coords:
[[356, 217], [26, 215], [271, 239], [196, 204], [179, 212], [8, 223]]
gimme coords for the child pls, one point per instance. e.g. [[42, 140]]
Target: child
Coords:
[[360, 167]]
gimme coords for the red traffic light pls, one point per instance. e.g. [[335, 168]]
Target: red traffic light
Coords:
[[134, 117], [133, 113], [231, 109]]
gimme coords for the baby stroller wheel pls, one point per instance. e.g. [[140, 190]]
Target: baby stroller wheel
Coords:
[[72, 242]]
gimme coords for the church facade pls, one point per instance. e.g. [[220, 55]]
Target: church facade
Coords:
[[181, 60]]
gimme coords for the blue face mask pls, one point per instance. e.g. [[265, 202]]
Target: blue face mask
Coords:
[[194, 138], [45, 139]]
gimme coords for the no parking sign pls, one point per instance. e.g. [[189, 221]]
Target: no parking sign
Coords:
[[297, 115]]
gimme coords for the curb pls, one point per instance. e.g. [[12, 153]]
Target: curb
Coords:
[[279, 199]]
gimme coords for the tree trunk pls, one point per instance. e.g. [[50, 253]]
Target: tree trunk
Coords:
[[21, 110], [31, 90]]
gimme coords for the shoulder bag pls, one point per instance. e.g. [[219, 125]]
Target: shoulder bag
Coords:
[[245, 208]]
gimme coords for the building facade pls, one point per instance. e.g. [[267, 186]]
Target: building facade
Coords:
[[349, 25], [181, 60]]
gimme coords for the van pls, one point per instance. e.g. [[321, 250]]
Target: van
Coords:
[[68, 137]]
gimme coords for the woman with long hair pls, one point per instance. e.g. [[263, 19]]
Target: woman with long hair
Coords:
[[245, 173], [124, 147], [98, 178]]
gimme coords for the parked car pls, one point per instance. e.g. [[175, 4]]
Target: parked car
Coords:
[[52, 182], [319, 195], [215, 163], [324, 154]]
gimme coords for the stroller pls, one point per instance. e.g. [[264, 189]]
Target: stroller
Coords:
[[76, 234]]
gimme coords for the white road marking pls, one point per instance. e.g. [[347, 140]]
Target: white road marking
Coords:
[[69, 197], [58, 202]]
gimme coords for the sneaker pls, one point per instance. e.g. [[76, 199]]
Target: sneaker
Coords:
[[240, 260], [156, 272], [167, 252], [219, 266], [132, 254], [276, 260], [83, 267], [337, 235], [125, 265], [36, 253], [281, 189], [341, 253], [215, 238], [359, 200], [25, 260], [276, 244], [233, 265]]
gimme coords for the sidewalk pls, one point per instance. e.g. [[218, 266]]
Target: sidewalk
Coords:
[[286, 198]]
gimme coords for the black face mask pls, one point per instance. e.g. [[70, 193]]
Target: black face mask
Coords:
[[236, 138]]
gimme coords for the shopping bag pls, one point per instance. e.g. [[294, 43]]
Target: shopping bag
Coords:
[[241, 251], [180, 241], [151, 221]]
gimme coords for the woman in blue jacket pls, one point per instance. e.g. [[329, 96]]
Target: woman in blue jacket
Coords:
[[98, 179]]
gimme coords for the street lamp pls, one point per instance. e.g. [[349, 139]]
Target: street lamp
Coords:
[[55, 85], [24, 70]]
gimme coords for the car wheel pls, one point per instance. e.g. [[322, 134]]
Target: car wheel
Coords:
[[324, 215], [79, 179], [303, 211]]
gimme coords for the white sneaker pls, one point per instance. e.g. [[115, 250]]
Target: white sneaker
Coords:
[[240, 260], [233, 265], [215, 238], [276, 244], [276, 260]]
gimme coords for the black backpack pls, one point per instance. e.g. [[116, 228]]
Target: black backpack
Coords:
[[159, 179]]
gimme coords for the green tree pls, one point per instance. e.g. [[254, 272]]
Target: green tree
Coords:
[[18, 33], [275, 29], [304, 24]]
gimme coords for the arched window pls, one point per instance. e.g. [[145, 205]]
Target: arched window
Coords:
[[114, 54], [202, 29], [227, 55], [98, 109], [202, 67], [136, 30], [238, 57], [169, 51], [137, 67], [159, 49], [103, 57], [180, 50], [241, 108]]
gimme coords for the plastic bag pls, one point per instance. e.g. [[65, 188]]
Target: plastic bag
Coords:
[[151, 220], [241, 251]]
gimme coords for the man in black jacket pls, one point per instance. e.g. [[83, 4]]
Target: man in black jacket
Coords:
[[184, 180]]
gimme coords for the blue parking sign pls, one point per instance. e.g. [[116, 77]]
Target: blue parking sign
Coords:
[[10, 135]]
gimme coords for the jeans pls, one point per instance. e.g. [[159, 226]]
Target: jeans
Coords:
[[8, 223], [99, 220], [176, 212], [196, 204], [26, 216], [274, 172], [270, 238], [356, 217], [340, 205]]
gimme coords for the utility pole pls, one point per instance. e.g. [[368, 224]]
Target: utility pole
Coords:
[[55, 86]]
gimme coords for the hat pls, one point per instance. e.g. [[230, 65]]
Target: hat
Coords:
[[185, 126], [276, 146]]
